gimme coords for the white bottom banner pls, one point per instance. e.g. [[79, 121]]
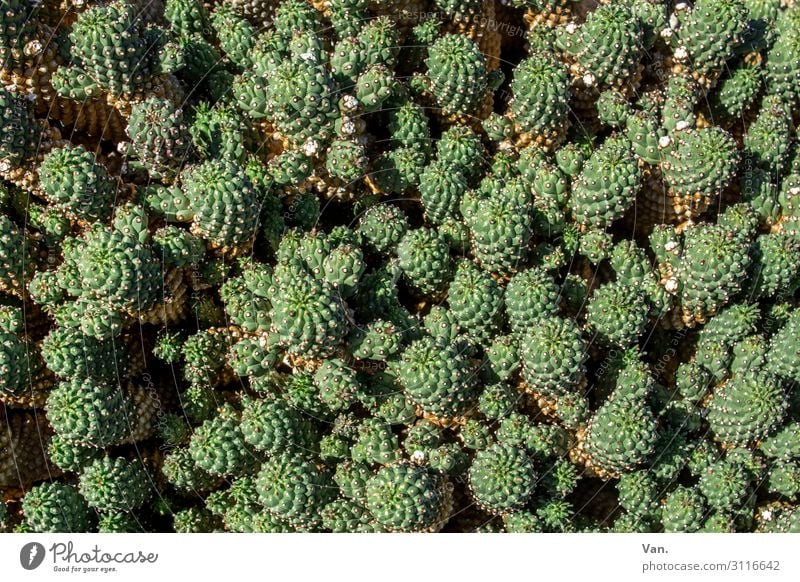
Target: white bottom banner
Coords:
[[399, 557]]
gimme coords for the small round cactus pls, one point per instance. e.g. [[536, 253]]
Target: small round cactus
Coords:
[[273, 426], [307, 313], [76, 183], [552, 354], [608, 45], [293, 487], [502, 478], [89, 411], [115, 484], [704, 290], [683, 510], [617, 313], [224, 203], [747, 408], [407, 497], [381, 227], [476, 302], [621, 434], [218, 445], [438, 377], [530, 295], [457, 73], [55, 508], [425, 259], [540, 89], [608, 184]]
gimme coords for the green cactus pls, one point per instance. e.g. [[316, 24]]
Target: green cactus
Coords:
[[346, 160], [701, 161], [69, 455], [441, 191], [381, 227], [708, 34], [195, 520], [112, 46], [425, 260], [609, 45], [501, 478], [613, 108], [375, 444], [783, 66], [374, 87], [438, 377], [55, 508], [621, 434], [177, 247], [115, 484], [541, 92], [20, 366], [476, 302], [204, 354], [407, 497], [747, 408], [186, 17], [351, 478], [501, 227], [617, 313], [347, 516], [308, 314], [273, 426], [607, 185], [77, 184], [409, 126], [785, 480], [783, 350], [553, 355], [160, 137], [114, 269], [294, 488], [312, 124], [724, 484], [347, 15], [218, 446], [768, 138], [497, 401], [184, 475], [712, 269], [683, 510], [457, 74], [638, 493], [460, 149], [236, 35], [337, 383], [502, 357], [224, 202], [90, 412], [530, 295], [378, 340], [774, 266], [396, 171], [71, 354], [736, 91]]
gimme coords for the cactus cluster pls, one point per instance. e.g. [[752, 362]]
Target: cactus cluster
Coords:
[[304, 266]]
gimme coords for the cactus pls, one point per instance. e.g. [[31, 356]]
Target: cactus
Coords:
[[501, 478], [437, 376], [55, 507], [456, 73], [407, 497]]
